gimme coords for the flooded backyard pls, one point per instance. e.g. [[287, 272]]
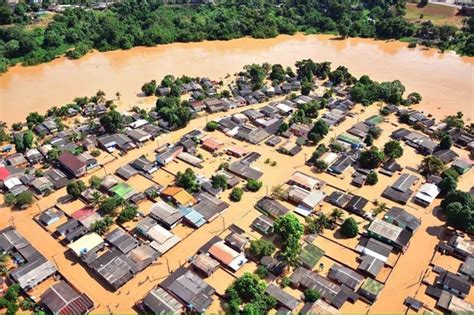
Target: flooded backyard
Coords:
[[444, 80]]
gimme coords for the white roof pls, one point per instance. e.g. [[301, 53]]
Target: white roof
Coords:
[[86, 243], [313, 199], [284, 108], [12, 182], [329, 157], [428, 192], [138, 123]]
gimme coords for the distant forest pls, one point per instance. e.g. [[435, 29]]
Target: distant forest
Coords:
[[148, 23]]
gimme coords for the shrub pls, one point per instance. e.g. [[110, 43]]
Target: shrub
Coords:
[[349, 228], [259, 248], [372, 178], [311, 295], [212, 125], [262, 272], [236, 194], [254, 185]]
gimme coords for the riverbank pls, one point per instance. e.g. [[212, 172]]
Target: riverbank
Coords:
[[444, 80]]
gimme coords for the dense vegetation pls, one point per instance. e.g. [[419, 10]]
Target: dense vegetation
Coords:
[[133, 23]]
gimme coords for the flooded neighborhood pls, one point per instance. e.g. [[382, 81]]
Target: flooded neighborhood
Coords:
[[209, 157]]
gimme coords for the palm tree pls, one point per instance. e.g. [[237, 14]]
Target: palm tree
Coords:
[[379, 209], [336, 215], [100, 96], [97, 199], [278, 192]]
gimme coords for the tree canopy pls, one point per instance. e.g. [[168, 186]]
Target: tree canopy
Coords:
[[131, 23], [187, 180]]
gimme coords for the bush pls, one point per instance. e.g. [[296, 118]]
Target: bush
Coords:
[[236, 194], [262, 272], [311, 295], [285, 281], [321, 165], [219, 181], [76, 188], [95, 153], [128, 213], [349, 228], [212, 125], [372, 178], [259, 248], [254, 185]]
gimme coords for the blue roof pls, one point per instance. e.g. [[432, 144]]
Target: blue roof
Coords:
[[193, 217]]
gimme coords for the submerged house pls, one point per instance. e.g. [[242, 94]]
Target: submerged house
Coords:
[[190, 289], [401, 191]]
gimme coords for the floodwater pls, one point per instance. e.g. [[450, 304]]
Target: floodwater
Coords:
[[444, 80]]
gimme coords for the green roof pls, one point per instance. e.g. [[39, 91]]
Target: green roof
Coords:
[[348, 138], [122, 189], [372, 286], [375, 119], [310, 255]]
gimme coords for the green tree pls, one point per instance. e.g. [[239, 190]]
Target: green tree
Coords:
[[393, 150], [212, 126], [94, 182], [318, 224], [236, 194], [448, 184], [110, 205], [336, 214], [259, 248], [187, 180], [311, 295], [28, 139], [282, 128], [372, 178], [149, 88], [446, 142], [24, 199], [277, 73], [349, 228], [369, 140], [53, 154], [290, 230], [262, 272], [320, 128], [306, 87], [432, 165], [371, 158], [254, 185], [127, 214], [256, 74], [219, 181], [76, 188], [102, 226], [112, 121], [414, 98]]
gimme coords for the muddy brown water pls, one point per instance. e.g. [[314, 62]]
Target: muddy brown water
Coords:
[[444, 80]]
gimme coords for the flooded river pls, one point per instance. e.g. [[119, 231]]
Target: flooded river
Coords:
[[444, 80]]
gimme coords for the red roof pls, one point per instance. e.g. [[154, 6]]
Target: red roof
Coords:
[[70, 161], [4, 173], [83, 213]]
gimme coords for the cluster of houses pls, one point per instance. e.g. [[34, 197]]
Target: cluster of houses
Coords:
[[33, 170], [450, 289], [31, 268]]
